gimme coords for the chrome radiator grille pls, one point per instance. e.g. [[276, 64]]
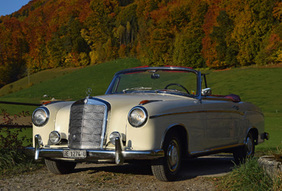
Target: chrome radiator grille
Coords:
[[87, 124]]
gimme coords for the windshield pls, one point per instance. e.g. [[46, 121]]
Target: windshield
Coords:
[[180, 82]]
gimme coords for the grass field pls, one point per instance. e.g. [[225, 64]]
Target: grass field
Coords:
[[35, 79], [71, 86], [261, 86]]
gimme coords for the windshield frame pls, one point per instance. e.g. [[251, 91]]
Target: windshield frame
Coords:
[[170, 68]]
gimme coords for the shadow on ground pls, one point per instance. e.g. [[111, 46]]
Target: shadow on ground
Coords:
[[209, 166]]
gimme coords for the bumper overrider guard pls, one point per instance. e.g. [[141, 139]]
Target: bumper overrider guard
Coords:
[[118, 155]]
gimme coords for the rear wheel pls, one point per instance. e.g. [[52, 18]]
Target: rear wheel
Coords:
[[247, 151], [167, 168], [59, 166]]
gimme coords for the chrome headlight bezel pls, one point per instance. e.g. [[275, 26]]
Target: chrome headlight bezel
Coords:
[[137, 116], [40, 116]]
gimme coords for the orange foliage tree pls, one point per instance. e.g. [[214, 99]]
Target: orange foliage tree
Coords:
[[196, 33]]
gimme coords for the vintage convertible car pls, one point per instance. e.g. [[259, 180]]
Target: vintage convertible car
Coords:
[[161, 114]]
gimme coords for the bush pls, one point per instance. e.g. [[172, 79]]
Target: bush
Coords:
[[249, 177], [12, 156]]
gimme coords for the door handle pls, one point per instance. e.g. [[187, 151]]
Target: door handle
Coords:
[[235, 107]]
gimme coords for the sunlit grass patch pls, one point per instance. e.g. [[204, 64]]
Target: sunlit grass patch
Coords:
[[248, 177]]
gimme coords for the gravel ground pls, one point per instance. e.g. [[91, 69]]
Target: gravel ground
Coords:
[[195, 175]]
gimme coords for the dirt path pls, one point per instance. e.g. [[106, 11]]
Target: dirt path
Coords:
[[195, 175]]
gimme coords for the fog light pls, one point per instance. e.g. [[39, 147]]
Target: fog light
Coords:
[[113, 137], [55, 137]]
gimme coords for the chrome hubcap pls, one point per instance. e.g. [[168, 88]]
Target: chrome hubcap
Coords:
[[249, 145], [173, 155]]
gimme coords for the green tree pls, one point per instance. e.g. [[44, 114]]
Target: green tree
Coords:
[[251, 26], [66, 43], [225, 46], [99, 27], [187, 49]]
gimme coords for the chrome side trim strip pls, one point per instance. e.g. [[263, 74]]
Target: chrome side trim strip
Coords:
[[217, 149], [190, 112]]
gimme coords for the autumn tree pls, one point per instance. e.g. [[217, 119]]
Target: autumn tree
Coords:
[[225, 46], [209, 45], [67, 44], [13, 47], [271, 46], [198, 33], [251, 25], [98, 29], [188, 42]]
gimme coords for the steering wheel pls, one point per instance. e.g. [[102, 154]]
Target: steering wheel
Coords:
[[176, 84]]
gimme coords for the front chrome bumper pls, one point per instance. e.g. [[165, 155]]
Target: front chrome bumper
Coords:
[[118, 155]]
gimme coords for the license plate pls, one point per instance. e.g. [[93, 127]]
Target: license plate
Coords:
[[75, 154]]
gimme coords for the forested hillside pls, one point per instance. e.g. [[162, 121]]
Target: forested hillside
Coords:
[[196, 33]]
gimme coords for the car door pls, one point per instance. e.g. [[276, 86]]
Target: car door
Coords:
[[222, 123]]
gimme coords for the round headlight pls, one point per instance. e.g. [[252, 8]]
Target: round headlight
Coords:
[[54, 137], [137, 116], [40, 116]]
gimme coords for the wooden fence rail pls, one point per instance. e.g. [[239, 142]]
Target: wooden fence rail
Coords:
[[18, 103], [12, 126]]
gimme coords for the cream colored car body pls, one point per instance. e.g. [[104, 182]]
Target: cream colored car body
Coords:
[[204, 123], [210, 124]]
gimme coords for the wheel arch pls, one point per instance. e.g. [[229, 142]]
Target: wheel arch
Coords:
[[184, 137], [254, 132]]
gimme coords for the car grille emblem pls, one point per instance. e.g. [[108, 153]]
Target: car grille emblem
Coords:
[[73, 137], [88, 92]]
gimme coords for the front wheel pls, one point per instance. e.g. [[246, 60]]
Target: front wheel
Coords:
[[59, 166], [247, 151], [167, 168]]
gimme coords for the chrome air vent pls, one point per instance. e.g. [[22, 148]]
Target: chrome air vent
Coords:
[[88, 124]]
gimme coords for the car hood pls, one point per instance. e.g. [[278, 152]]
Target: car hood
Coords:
[[125, 102], [153, 102], [121, 104], [135, 99]]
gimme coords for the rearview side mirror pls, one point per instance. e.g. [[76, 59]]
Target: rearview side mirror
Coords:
[[206, 91]]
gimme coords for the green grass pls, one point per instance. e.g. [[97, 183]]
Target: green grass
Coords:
[[273, 125], [71, 86], [248, 177], [261, 86], [15, 162], [35, 79]]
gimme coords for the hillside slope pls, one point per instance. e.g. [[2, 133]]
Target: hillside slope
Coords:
[[261, 86], [71, 86]]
